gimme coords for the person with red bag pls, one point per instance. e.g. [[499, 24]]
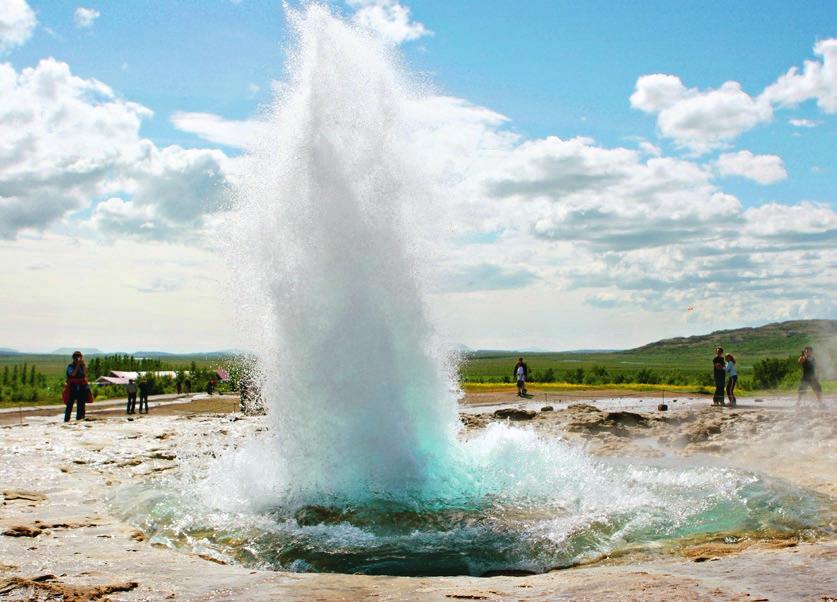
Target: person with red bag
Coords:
[[76, 390]]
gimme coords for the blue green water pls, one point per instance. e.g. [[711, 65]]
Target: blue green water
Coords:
[[534, 505]]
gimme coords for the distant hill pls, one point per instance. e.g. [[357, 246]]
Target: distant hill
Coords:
[[778, 339], [8, 351], [69, 351]]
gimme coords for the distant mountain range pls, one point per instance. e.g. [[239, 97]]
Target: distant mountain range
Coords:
[[91, 351], [70, 350], [778, 339]]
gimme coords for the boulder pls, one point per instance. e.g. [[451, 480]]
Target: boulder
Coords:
[[514, 414], [22, 531], [547, 409]]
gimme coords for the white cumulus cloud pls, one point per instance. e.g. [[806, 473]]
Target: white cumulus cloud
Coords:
[[84, 17], [764, 169], [704, 120], [804, 123], [66, 141], [17, 21], [214, 128], [700, 120], [817, 80], [389, 19]]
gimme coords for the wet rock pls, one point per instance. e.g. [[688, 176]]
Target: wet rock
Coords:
[[163, 456], [29, 496], [211, 558], [662, 407], [474, 421], [22, 531], [627, 418], [514, 414], [547, 409], [40, 588]]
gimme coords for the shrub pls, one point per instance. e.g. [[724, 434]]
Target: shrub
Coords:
[[769, 372]]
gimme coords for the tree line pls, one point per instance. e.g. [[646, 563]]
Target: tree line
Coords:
[[767, 373], [21, 383]]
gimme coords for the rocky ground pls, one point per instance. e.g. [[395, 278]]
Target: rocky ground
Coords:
[[60, 540]]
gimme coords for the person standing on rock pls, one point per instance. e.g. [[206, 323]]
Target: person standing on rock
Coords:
[[719, 373], [76, 390], [144, 387], [131, 387], [809, 376], [521, 375], [732, 379]]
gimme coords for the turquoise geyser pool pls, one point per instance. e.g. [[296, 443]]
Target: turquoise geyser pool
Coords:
[[529, 505]]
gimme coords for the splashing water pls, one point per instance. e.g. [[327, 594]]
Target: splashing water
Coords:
[[361, 469], [361, 401]]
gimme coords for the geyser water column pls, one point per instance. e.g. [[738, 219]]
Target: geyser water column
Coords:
[[328, 279]]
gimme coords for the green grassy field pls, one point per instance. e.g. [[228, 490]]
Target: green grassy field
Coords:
[[46, 386], [681, 361]]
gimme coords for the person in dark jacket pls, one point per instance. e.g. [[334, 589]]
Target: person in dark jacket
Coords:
[[79, 390], [809, 376], [144, 388], [521, 375], [719, 373]]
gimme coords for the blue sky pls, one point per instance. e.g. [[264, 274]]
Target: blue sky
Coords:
[[552, 69]]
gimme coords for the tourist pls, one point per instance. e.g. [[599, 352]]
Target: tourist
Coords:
[[521, 375], [188, 384], [179, 386], [76, 390], [809, 376], [131, 387], [144, 387], [732, 379], [719, 373]]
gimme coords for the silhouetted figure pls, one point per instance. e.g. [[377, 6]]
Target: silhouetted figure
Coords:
[[77, 390], [521, 376], [809, 376], [719, 373], [131, 387], [179, 386], [732, 379], [188, 384], [144, 388]]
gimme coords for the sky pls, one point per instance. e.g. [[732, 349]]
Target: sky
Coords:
[[615, 173]]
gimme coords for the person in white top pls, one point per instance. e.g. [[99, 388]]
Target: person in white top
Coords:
[[521, 375], [732, 379]]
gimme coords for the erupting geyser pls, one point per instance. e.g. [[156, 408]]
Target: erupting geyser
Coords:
[[328, 276], [361, 469]]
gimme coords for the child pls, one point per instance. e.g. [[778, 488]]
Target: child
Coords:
[[732, 379]]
